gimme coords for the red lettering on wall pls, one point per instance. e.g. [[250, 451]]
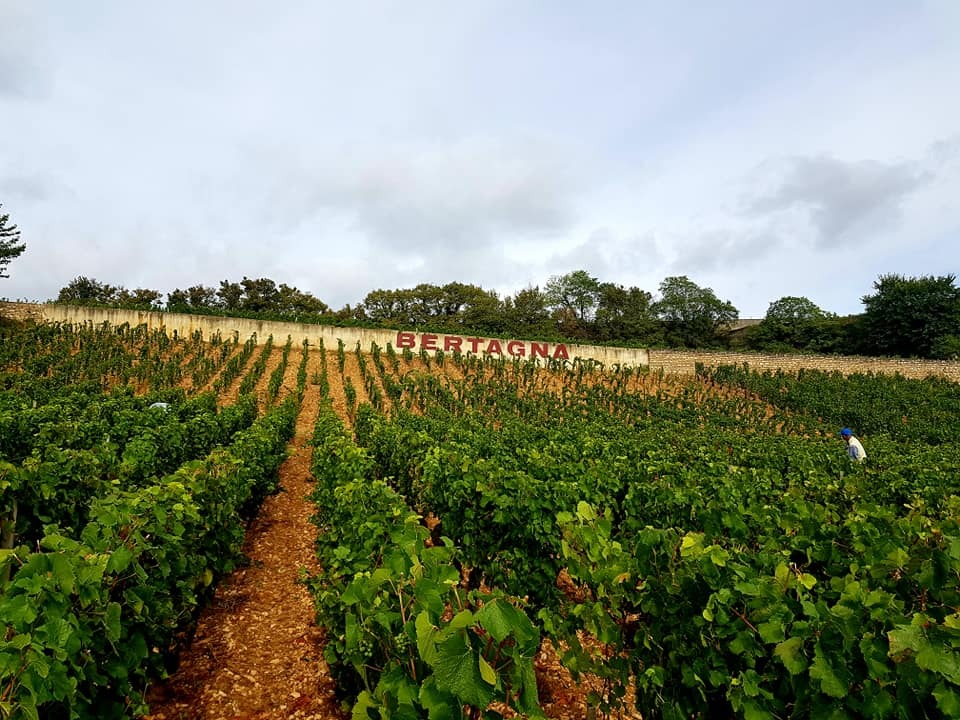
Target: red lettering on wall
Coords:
[[515, 348], [406, 340], [452, 342]]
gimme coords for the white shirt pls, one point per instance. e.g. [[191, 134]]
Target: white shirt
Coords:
[[855, 449]]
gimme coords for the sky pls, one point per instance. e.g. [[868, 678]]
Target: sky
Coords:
[[761, 148]]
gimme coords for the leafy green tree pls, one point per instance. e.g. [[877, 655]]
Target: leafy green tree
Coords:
[[291, 301], [230, 295], [139, 298], [912, 316], [426, 303], [383, 306], [791, 323], [575, 293], [625, 313], [526, 313], [196, 296], [478, 310], [259, 295], [455, 307], [10, 245], [793, 309], [692, 315], [86, 291], [528, 307]]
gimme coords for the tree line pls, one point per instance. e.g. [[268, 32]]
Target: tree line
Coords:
[[905, 316], [910, 317]]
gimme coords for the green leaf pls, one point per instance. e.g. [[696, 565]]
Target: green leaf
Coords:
[[585, 511], [782, 574], [718, 556], [770, 632], [807, 580], [19, 642], [948, 700], [822, 670], [119, 560], [458, 672], [57, 632], [487, 672], [496, 619], [461, 620], [111, 622], [904, 640], [439, 705], [63, 571], [911, 641], [426, 638], [790, 652], [361, 708], [691, 545], [753, 711], [955, 548], [430, 595], [502, 620]]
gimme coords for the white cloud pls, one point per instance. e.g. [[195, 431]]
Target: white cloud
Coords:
[[343, 148], [839, 197]]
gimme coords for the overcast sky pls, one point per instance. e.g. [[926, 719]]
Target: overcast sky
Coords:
[[760, 148]]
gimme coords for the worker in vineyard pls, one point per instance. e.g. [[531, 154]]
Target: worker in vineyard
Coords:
[[854, 447]]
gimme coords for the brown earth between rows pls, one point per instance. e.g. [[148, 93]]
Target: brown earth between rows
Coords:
[[257, 653]]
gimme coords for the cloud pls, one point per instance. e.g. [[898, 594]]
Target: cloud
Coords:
[[725, 248], [431, 211], [21, 71], [838, 197], [607, 255], [31, 187]]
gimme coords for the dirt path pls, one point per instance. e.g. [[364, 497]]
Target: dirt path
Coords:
[[257, 653]]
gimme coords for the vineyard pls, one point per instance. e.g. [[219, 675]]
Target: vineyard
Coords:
[[684, 546]]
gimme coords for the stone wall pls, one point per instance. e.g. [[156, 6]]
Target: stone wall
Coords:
[[684, 361], [21, 311], [671, 361], [185, 325]]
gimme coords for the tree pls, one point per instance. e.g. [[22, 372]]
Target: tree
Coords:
[[139, 298], [526, 313], [230, 294], [10, 245], [576, 292], [195, 296], [624, 313], [529, 307], [791, 323], [692, 314], [260, 295], [912, 316], [292, 301], [201, 296], [790, 309], [382, 306], [471, 307], [86, 291]]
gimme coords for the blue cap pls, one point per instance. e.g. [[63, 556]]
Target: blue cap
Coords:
[[846, 432]]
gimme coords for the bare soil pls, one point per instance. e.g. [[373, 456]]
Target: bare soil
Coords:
[[257, 653]]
